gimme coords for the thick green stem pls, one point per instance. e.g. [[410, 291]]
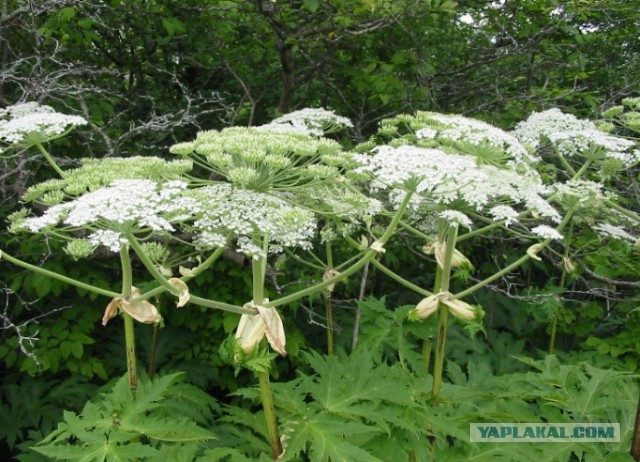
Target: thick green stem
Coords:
[[259, 269], [442, 285], [622, 210], [583, 169], [270, 413], [219, 305], [564, 162], [52, 162], [328, 306], [129, 333], [368, 255], [59, 277], [563, 278], [130, 346], [499, 274]]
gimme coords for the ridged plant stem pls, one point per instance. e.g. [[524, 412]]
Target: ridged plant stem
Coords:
[[443, 274], [259, 269], [129, 332], [52, 162]]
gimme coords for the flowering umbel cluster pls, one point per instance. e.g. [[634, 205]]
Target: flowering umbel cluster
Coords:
[[572, 137], [441, 179], [23, 125], [109, 213]]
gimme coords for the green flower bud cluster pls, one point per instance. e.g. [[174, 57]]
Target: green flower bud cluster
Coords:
[[98, 173], [264, 158]]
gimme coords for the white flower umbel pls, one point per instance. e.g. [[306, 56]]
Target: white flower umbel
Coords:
[[547, 232], [249, 214], [441, 178], [607, 230], [125, 206], [572, 136], [455, 218], [458, 128], [27, 124], [460, 134], [504, 212], [339, 202], [309, 121]]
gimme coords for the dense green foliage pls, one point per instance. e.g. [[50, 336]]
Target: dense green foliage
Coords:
[[148, 74]]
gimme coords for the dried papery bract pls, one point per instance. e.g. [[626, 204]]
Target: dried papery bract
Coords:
[[184, 296], [429, 305], [533, 251], [426, 307], [141, 311], [252, 328], [327, 275]]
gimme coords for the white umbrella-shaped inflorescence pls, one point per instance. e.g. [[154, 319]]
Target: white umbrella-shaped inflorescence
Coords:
[[109, 213], [442, 179], [572, 136], [26, 124], [248, 215]]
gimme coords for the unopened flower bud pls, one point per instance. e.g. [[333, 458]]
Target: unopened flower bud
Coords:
[[459, 260], [364, 243], [429, 248]]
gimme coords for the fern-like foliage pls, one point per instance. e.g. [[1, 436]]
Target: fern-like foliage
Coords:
[[28, 403], [161, 418], [348, 409]]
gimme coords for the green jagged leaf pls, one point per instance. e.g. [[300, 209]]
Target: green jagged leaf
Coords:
[[348, 406], [110, 428], [325, 437], [148, 396], [174, 430], [244, 430], [71, 452], [130, 451], [234, 455]]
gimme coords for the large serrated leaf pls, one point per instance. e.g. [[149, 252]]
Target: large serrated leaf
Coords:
[[174, 430]]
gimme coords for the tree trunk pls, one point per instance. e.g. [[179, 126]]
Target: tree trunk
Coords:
[[288, 78]]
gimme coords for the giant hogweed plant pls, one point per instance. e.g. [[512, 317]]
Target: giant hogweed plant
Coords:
[[264, 191]]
